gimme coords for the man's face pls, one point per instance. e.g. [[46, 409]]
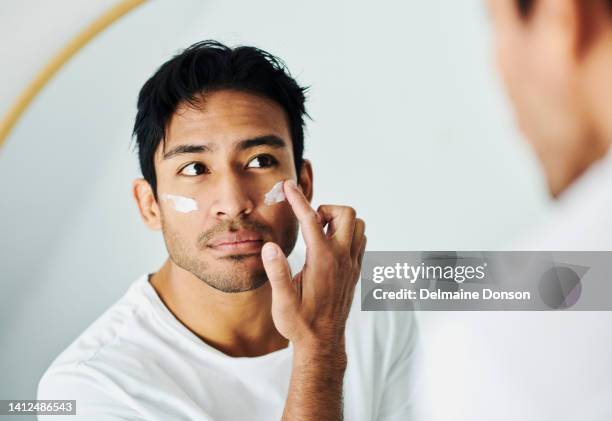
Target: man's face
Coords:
[[226, 155], [537, 61]]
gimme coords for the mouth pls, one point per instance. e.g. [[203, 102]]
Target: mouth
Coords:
[[241, 242]]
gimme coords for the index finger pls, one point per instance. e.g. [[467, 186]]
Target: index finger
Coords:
[[306, 215]]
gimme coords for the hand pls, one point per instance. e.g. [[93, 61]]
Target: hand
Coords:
[[311, 309]]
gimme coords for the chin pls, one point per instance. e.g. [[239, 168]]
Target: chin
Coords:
[[245, 257], [248, 284], [238, 275]]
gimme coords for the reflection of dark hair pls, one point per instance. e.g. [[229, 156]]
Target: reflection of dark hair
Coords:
[[209, 66], [525, 6]]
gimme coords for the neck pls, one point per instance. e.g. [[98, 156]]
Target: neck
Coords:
[[237, 324], [596, 97], [560, 175], [573, 156]]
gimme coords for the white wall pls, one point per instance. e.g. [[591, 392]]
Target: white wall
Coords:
[[410, 128], [32, 32]]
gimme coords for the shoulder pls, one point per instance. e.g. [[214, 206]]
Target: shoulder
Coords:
[[93, 399], [69, 381], [75, 369]]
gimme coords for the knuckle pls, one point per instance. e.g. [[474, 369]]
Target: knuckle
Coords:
[[350, 212], [278, 272], [287, 308], [361, 223], [363, 245], [312, 216], [276, 269]]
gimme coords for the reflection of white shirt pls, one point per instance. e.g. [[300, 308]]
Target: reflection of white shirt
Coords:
[[138, 362], [534, 366], [579, 343], [582, 218]]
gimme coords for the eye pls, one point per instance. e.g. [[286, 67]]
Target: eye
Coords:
[[262, 161], [193, 169]]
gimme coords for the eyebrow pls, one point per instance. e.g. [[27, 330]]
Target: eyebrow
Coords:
[[266, 140], [186, 149]]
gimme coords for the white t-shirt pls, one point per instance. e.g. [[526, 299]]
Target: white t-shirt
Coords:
[[582, 217], [138, 362], [532, 365]]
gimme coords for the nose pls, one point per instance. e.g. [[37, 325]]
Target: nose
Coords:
[[231, 198]]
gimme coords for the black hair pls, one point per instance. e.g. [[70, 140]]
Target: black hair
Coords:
[[209, 66], [525, 6]]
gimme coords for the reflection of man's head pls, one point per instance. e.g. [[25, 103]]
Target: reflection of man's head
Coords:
[[217, 128], [555, 57]]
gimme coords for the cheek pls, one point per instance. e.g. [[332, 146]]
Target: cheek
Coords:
[[280, 218], [179, 203], [520, 69], [195, 197], [510, 64], [276, 213], [179, 236]]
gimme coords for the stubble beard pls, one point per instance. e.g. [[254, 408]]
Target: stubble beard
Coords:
[[235, 276]]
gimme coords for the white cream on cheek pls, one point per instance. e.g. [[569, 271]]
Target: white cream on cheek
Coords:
[[181, 203], [187, 204], [275, 195]]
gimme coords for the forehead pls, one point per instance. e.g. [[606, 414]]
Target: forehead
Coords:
[[226, 117]]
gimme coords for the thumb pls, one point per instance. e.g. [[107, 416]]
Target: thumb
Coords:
[[278, 271]]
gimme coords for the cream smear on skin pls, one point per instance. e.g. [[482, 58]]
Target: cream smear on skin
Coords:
[[181, 203], [275, 195], [187, 204]]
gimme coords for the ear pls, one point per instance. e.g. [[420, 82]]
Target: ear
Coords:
[[305, 179], [147, 205], [574, 25], [593, 19], [570, 24], [505, 13]]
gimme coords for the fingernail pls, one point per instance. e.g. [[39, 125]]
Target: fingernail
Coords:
[[269, 251]]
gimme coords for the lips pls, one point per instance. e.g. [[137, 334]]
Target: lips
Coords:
[[240, 241]]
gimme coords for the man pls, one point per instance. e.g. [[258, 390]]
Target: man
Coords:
[[223, 331], [555, 57]]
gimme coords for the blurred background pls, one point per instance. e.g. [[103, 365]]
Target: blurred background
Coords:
[[410, 126]]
